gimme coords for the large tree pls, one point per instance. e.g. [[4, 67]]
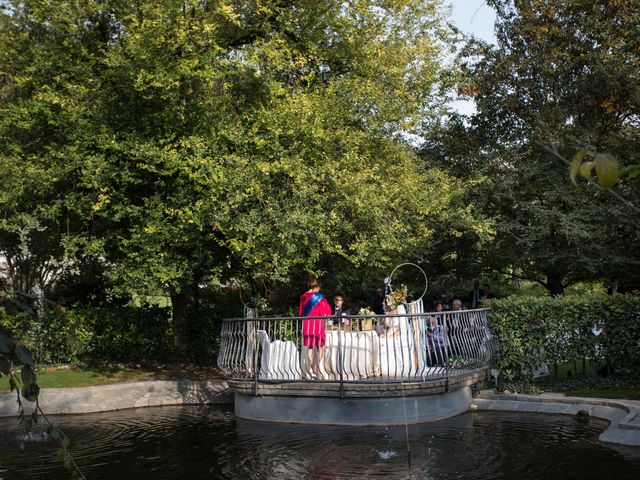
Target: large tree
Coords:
[[180, 141], [564, 75]]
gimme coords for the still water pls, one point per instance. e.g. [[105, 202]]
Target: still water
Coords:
[[209, 442]]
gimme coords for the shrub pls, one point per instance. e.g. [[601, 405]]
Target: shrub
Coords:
[[51, 338], [125, 334], [533, 330], [119, 334]]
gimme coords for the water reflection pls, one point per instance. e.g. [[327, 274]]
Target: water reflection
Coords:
[[209, 442]]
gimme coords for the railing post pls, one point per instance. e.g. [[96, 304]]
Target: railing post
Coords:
[[255, 360], [340, 361]]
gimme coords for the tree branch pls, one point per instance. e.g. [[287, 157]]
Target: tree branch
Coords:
[[555, 153], [525, 277]]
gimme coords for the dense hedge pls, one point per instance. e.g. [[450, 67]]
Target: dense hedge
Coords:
[[116, 334], [533, 330]]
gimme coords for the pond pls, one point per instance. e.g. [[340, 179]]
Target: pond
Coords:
[[210, 442]]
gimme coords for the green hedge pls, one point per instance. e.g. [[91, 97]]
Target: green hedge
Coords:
[[120, 334], [123, 334], [50, 340], [533, 330]]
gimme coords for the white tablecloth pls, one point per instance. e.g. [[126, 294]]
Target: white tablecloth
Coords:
[[360, 355]]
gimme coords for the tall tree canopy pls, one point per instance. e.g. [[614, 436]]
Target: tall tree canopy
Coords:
[[178, 141], [563, 74]]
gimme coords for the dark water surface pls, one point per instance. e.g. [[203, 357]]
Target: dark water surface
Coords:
[[209, 442]]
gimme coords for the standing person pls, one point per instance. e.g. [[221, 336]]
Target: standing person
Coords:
[[615, 287], [341, 310], [377, 304], [455, 327], [445, 297], [476, 295], [314, 304], [488, 294]]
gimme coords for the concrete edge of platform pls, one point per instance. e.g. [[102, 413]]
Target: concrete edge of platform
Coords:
[[623, 415], [361, 411], [120, 396]]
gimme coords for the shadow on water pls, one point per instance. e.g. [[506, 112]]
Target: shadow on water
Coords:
[[209, 442]]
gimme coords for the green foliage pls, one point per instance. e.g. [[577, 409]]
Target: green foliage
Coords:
[[12, 355], [559, 75], [121, 334], [532, 331], [175, 143], [54, 337], [124, 334]]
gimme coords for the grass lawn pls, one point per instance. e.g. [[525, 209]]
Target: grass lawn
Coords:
[[589, 384], [70, 377], [619, 393], [83, 377], [580, 385]]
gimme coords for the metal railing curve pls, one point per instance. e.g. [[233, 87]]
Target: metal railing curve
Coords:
[[409, 347]]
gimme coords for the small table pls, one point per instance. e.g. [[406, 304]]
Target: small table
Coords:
[[359, 352]]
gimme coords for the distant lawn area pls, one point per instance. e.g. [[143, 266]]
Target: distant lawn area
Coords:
[[619, 393], [71, 377], [571, 381], [84, 377]]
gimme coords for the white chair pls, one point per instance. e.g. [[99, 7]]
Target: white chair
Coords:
[[279, 360]]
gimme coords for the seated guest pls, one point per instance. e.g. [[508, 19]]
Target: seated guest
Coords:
[[437, 342], [341, 310], [456, 305], [446, 297]]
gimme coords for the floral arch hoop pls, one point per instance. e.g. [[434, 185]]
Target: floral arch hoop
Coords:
[[388, 281]]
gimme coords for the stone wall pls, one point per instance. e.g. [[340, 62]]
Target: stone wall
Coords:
[[62, 401]]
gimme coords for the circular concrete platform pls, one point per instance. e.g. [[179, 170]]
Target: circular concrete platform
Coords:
[[389, 410]]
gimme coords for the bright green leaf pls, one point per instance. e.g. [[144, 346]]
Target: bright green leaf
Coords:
[[607, 169], [575, 164]]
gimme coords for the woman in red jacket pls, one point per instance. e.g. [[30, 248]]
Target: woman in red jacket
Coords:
[[314, 304]]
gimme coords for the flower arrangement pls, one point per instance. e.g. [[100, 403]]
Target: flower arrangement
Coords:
[[258, 302], [398, 296], [364, 324]]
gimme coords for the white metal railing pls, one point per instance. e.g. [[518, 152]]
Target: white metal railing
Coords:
[[381, 348]]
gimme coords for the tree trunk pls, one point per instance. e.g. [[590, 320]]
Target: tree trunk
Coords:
[[181, 305], [515, 277], [554, 284]]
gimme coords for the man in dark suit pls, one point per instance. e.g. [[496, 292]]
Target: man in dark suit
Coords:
[[377, 302], [476, 295], [615, 287], [339, 309]]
